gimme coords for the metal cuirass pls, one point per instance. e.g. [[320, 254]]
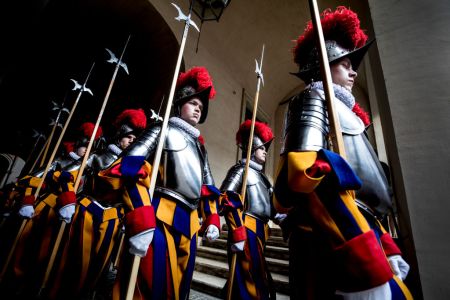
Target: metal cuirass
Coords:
[[101, 161], [375, 190], [259, 190], [183, 167], [306, 129], [184, 162]]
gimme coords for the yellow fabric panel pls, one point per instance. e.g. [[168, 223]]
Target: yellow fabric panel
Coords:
[[173, 262], [166, 210], [88, 228], [298, 180], [349, 201], [195, 223], [35, 181], [324, 220], [85, 202], [28, 191], [110, 214], [231, 221], [50, 200], [250, 223]]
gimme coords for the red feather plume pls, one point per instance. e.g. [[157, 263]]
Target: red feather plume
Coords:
[[342, 26], [134, 117], [262, 130], [87, 128], [69, 146], [198, 78], [201, 139], [362, 114]]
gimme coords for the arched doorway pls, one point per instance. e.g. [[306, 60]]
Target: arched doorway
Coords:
[[59, 41]]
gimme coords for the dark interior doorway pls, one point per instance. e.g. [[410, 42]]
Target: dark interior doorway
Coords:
[[47, 43]]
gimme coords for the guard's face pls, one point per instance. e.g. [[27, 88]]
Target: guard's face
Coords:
[[81, 151], [126, 141], [342, 73], [191, 111], [260, 155]]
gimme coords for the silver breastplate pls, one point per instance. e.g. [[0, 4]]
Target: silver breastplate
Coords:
[[305, 131], [183, 165], [375, 190], [258, 193], [103, 160], [184, 162]]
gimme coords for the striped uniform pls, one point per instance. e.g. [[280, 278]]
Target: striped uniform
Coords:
[[329, 229]]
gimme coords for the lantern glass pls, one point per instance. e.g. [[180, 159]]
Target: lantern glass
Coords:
[[209, 10]]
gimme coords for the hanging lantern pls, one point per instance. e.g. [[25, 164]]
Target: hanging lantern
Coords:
[[209, 10]]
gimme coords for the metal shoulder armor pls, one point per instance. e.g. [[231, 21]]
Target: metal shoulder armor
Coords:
[[207, 174], [101, 161], [259, 195], [233, 180], [146, 143], [306, 122]]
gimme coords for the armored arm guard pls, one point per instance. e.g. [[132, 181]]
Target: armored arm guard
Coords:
[[207, 174], [231, 204], [145, 144], [233, 180], [306, 123]]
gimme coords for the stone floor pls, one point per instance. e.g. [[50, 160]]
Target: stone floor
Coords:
[[195, 295]]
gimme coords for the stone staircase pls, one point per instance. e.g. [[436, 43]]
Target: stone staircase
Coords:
[[211, 268]]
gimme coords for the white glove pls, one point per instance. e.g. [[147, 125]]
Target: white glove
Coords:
[[212, 233], [66, 212], [279, 218], [380, 292], [26, 211], [399, 266], [238, 247], [140, 242]]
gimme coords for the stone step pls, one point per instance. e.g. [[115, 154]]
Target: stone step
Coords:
[[270, 251], [275, 230], [217, 273], [275, 265], [272, 241], [208, 284], [220, 269]]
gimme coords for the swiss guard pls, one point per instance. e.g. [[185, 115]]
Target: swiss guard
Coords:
[[337, 246], [163, 230], [86, 265], [248, 218]]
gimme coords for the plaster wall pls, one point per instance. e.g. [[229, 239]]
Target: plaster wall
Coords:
[[414, 46]]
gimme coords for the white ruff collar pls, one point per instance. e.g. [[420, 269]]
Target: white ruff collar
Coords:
[[74, 156], [114, 149], [185, 126], [344, 95], [253, 164]]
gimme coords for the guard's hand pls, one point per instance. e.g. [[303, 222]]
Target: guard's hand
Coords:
[[140, 242], [212, 233], [66, 212], [399, 266], [279, 218], [238, 247], [26, 211]]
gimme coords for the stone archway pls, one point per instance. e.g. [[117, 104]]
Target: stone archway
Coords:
[[61, 40]]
